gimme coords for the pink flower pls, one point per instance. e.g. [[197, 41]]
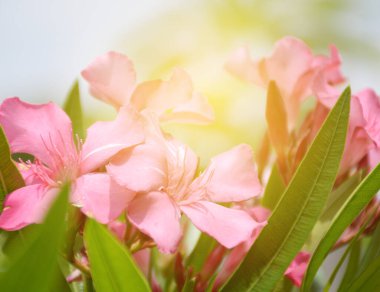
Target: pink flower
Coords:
[[292, 66], [45, 132], [363, 137], [162, 173], [112, 78]]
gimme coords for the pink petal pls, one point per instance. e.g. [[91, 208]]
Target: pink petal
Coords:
[[111, 78], [159, 96], [231, 176], [156, 215], [197, 111], [182, 165], [142, 168], [374, 158], [105, 139], [242, 66], [41, 130], [26, 206], [100, 197], [370, 104], [173, 100], [297, 268], [228, 226]]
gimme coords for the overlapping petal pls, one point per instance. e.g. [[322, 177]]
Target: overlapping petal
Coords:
[[105, 139], [112, 78], [231, 176], [100, 197], [228, 226], [157, 216], [43, 131], [27, 205]]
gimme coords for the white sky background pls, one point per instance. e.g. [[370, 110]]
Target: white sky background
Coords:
[[45, 44]]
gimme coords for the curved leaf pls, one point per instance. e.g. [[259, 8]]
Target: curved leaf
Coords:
[[274, 189], [350, 210], [10, 177], [112, 266], [299, 208], [73, 108]]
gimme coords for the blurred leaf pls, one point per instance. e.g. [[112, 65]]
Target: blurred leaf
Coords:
[[277, 123], [334, 203], [352, 265], [189, 284], [73, 108], [362, 195], [368, 280], [201, 251], [10, 177], [34, 263], [112, 266], [263, 154], [274, 189], [299, 208], [372, 250]]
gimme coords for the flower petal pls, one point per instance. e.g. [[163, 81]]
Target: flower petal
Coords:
[[141, 168], [197, 111], [228, 226], [112, 78], [297, 268], [159, 96], [156, 215], [100, 197], [41, 130], [105, 139], [242, 66], [230, 177], [370, 104], [26, 206]]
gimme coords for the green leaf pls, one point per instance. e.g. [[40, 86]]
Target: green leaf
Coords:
[[10, 177], [34, 264], [201, 251], [372, 250], [352, 265], [276, 118], [299, 208], [73, 108], [274, 189], [351, 209], [189, 284], [334, 203], [112, 266], [368, 280]]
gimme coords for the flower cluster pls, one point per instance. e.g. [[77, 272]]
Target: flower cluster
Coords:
[[131, 175]]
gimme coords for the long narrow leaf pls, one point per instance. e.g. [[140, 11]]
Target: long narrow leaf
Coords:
[[112, 266], [73, 108], [362, 195], [299, 208], [274, 189]]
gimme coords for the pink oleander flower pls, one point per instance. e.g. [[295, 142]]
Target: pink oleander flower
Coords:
[[294, 272], [112, 78], [45, 132], [292, 66], [363, 137], [162, 173]]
